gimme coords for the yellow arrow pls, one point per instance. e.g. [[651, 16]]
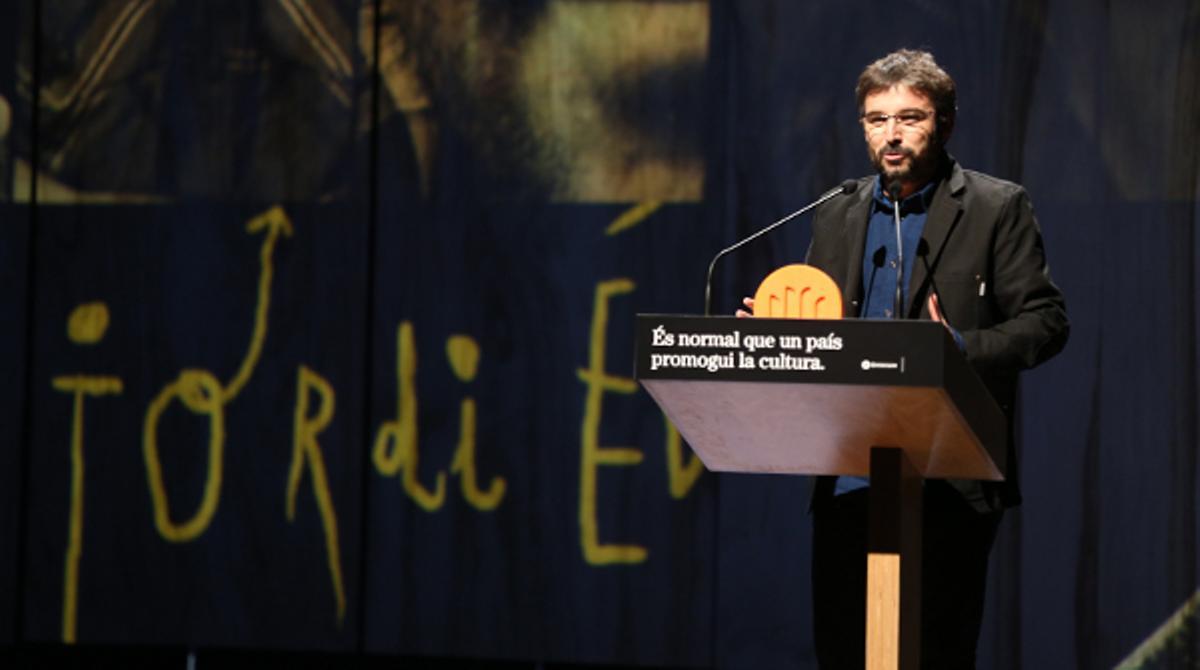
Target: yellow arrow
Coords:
[[275, 222]]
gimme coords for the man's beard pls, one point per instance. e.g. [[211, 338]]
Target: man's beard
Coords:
[[920, 166]]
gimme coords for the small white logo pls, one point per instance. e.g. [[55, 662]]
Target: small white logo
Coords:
[[879, 365]]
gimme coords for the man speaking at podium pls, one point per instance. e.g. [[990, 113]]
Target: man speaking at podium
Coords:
[[972, 259]]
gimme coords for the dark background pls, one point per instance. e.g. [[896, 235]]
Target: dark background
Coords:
[[211, 115]]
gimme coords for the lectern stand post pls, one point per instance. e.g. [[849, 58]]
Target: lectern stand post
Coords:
[[893, 562]]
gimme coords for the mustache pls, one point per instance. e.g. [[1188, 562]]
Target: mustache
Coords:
[[899, 148]]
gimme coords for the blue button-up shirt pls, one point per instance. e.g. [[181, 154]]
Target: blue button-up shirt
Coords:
[[879, 266], [879, 253]]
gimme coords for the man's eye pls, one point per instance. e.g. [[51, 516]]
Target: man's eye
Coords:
[[877, 119], [911, 118]]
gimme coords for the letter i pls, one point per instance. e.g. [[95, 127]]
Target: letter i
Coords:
[[463, 353], [85, 326]]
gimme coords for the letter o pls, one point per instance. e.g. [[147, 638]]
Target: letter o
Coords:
[[200, 392]]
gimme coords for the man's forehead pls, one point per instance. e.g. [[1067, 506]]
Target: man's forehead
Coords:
[[896, 96]]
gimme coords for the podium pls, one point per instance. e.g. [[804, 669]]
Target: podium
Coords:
[[893, 400]]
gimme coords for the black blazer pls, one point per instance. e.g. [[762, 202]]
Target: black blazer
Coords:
[[982, 250]]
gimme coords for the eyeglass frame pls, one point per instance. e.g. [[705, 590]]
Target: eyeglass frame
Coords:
[[881, 120]]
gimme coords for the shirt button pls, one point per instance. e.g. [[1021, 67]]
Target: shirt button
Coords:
[[887, 313], [892, 263]]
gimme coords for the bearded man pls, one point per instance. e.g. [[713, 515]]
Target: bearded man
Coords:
[[973, 259]]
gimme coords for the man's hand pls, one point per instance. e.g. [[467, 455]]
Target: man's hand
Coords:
[[935, 313], [935, 309], [742, 313]]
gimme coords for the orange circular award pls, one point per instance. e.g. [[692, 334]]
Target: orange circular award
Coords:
[[798, 292]]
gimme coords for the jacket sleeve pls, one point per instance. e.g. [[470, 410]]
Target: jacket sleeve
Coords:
[[1029, 318]]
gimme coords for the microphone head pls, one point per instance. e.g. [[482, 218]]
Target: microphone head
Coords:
[[894, 189], [849, 186]]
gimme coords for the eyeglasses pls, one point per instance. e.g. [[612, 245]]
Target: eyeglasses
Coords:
[[909, 119]]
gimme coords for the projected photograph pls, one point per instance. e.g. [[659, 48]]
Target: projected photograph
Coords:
[[566, 100]]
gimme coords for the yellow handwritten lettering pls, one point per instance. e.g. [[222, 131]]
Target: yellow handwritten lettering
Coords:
[[276, 223], [395, 449], [594, 456], [201, 393], [632, 217], [80, 386], [305, 449], [87, 323], [463, 353]]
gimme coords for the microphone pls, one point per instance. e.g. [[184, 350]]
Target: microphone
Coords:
[[894, 195], [846, 188], [923, 253]]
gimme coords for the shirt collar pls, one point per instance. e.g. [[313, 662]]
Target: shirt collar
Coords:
[[917, 202]]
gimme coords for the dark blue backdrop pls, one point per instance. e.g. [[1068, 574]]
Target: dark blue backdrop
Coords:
[[404, 294]]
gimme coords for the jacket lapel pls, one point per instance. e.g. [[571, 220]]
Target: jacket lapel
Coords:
[[857, 216], [943, 213]]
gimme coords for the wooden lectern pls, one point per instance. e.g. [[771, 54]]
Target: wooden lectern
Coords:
[[894, 400]]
